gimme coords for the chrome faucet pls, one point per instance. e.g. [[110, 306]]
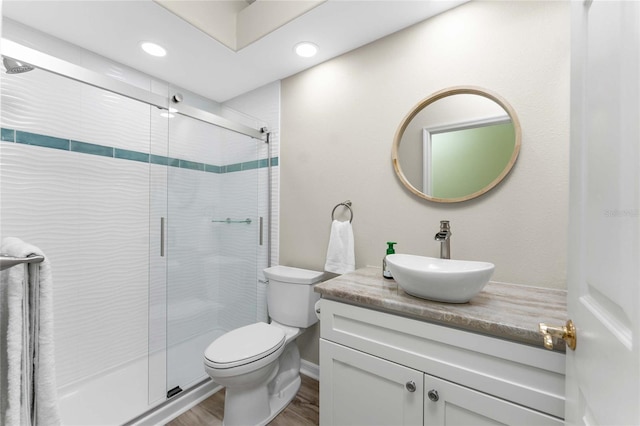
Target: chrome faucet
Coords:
[[444, 237]]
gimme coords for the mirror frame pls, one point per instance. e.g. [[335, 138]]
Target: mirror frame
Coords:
[[457, 90]]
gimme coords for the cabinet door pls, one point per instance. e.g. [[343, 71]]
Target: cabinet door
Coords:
[[360, 389], [447, 403]]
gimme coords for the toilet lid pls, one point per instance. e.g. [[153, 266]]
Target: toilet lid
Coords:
[[244, 345]]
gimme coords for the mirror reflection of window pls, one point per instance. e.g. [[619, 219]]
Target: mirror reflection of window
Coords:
[[463, 160]]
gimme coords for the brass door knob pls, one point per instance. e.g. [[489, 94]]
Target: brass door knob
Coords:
[[566, 333]]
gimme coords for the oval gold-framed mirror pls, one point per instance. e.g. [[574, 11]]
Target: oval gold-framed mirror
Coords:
[[456, 144]]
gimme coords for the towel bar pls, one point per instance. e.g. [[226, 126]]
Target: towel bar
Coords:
[[229, 220], [347, 204], [7, 261]]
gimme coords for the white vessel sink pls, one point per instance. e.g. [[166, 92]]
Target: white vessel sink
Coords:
[[442, 280]]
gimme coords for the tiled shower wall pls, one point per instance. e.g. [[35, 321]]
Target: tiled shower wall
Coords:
[[88, 211], [85, 174], [263, 102]]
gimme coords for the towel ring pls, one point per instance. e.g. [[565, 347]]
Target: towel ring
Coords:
[[347, 204]]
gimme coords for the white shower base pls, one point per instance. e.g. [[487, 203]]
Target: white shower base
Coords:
[[122, 394], [111, 398], [186, 360]]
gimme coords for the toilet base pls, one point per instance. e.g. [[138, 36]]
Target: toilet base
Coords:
[[278, 402], [265, 392]]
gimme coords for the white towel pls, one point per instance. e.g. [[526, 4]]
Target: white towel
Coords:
[[27, 369], [340, 253]]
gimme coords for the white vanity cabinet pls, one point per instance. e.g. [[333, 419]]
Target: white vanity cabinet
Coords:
[[366, 390], [378, 368]]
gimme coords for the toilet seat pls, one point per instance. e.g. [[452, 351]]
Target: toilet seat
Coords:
[[245, 345]]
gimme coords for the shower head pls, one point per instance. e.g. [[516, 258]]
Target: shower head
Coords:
[[15, 67]]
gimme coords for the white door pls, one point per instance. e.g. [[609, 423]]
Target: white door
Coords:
[[361, 389], [603, 373]]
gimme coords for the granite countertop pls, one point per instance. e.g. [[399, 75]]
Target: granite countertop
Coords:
[[507, 311]]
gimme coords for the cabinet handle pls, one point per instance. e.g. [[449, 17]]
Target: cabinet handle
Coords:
[[433, 395], [411, 386]]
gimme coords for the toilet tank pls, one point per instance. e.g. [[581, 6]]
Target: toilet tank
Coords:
[[290, 296]]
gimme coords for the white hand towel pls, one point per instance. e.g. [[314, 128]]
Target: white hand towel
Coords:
[[340, 253], [26, 319]]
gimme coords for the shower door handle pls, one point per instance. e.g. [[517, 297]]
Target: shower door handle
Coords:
[[261, 228], [162, 221]]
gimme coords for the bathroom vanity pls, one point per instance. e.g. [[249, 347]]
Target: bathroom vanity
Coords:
[[389, 358]]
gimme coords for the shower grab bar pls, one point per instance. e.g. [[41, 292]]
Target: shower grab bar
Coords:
[[7, 261], [229, 220]]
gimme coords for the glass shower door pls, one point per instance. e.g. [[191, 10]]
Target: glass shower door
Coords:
[[75, 181], [212, 242]]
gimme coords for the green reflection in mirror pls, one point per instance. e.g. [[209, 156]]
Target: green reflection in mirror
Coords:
[[465, 161]]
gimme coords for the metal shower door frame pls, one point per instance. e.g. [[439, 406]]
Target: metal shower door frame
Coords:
[[49, 63]]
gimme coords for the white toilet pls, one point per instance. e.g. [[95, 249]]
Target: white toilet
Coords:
[[259, 364]]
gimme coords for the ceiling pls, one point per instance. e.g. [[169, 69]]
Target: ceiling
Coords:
[[199, 63]]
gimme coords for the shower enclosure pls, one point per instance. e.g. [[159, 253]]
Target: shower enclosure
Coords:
[[154, 220]]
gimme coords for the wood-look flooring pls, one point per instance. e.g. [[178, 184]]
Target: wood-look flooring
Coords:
[[302, 411]]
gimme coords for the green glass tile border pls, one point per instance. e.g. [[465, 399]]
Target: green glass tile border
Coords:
[[8, 135], [35, 139], [184, 164], [164, 161], [230, 168], [89, 148], [126, 154], [41, 140], [250, 165], [159, 159]]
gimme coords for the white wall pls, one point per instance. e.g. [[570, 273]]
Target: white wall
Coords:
[[339, 119]]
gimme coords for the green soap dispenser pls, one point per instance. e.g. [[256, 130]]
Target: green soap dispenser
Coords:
[[385, 269]]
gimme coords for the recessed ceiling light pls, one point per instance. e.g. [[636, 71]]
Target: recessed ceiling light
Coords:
[[153, 49], [306, 49]]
